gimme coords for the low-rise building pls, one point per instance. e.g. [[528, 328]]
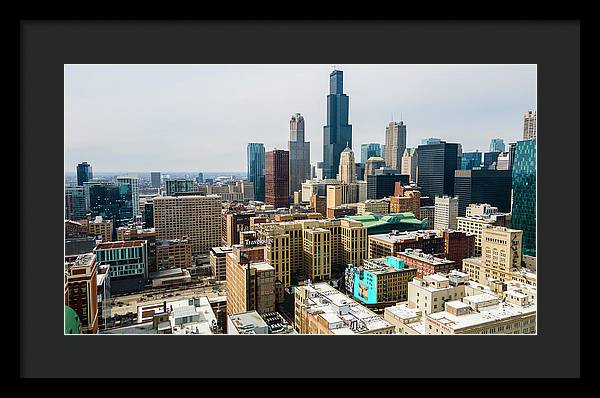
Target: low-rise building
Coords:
[[428, 241], [81, 290], [322, 309], [378, 206], [252, 322], [426, 264], [174, 253], [381, 281]]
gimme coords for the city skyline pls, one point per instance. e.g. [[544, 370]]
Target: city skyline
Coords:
[[115, 103]]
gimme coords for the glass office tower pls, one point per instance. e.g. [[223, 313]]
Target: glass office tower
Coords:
[[524, 193], [337, 134], [437, 164], [369, 150], [255, 156], [84, 173], [470, 160]]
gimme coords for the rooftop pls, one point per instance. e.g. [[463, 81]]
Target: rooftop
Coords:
[[396, 237], [119, 244]]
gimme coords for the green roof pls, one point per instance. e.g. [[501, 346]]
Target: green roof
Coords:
[[72, 322], [370, 220]]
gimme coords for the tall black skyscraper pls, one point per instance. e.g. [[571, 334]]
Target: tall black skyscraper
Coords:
[[84, 173], [337, 134], [437, 164], [483, 186]]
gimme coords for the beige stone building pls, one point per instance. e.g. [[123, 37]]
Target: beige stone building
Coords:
[[218, 262], [347, 168], [446, 211], [322, 309], [250, 281], [409, 163], [475, 225], [379, 206], [99, 227], [196, 217], [429, 293], [174, 253], [410, 201], [354, 242], [317, 253]]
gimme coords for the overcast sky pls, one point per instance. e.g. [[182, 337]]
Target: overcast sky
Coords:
[[137, 118]]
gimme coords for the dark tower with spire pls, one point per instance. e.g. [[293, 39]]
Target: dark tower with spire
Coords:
[[337, 134]]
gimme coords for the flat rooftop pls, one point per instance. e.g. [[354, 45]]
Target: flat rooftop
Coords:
[[119, 244], [428, 258], [399, 237], [488, 314], [325, 299]]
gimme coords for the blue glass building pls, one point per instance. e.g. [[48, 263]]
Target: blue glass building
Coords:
[[337, 134], [497, 145], [489, 158], [84, 173], [524, 193], [255, 156], [470, 160], [369, 150]]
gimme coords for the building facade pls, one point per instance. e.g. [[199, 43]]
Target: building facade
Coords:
[[277, 165], [337, 134], [395, 144], [446, 211], [524, 208], [299, 151], [196, 217], [255, 156], [437, 164], [530, 125], [410, 163], [81, 290], [84, 173]]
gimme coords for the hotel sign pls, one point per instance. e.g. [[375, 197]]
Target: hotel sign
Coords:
[[257, 242]]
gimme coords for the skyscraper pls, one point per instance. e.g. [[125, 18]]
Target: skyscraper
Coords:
[[74, 203], [347, 169], [437, 164], [155, 179], [524, 193], [178, 185], [337, 134], [410, 163], [530, 125], [470, 160], [111, 201], [277, 164], [497, 145], [482, 186], [300, 169], [255, 156], [395, 144], [133, 183], [369, 150], [489, 158], [84, 173]]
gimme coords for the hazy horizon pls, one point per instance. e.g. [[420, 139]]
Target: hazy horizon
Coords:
[[200, 117]]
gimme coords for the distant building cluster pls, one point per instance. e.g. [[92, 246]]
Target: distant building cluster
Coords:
[[405, 240]]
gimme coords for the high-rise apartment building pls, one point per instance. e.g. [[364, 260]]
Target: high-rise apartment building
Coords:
[[347, 169], [255, 156], [524, 194], [131, 184], [395, 144], [195, 217], [81, 290], [368, 151], [250, 281], [299, 152], [410, 163], [337, 134], [483, 186], [317, 253], [437, 164], [446, 211], [84, 173], [530, 125], [277, 166], [155, 179]]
